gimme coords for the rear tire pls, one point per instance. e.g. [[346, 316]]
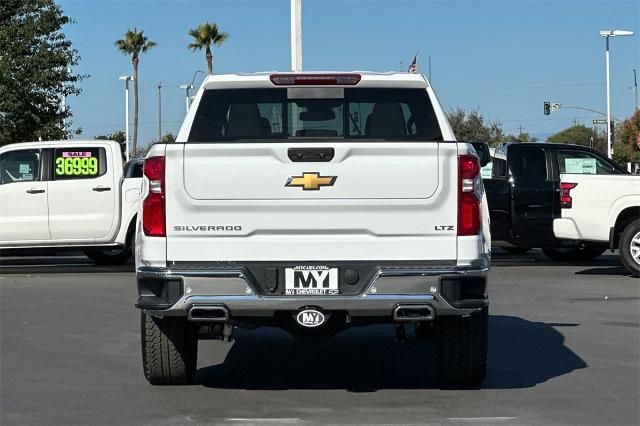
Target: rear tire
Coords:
[[581, 252], [516, 250], [109, 256], [461, 349], [169, 350], [629, 246]]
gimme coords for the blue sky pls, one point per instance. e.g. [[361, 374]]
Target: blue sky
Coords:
[[503, 57]]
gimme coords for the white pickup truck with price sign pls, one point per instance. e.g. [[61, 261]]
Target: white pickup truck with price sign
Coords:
[[68, 195]]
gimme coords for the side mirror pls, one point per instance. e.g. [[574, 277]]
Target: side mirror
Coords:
[[482, 149]]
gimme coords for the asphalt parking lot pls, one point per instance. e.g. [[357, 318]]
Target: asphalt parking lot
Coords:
[[564, 349]]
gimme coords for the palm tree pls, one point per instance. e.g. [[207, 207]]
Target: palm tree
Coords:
[[134, 43], [203, 36]]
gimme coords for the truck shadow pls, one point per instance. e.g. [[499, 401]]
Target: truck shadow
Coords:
[[62, 264], [537, 258], [522, 354], [612, 270]]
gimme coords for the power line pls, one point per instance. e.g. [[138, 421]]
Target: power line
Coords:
[[541, 86], [540, 119]]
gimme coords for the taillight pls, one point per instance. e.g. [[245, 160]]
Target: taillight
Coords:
[[565, 194], [315, 79], [153, 206], [468, 199]]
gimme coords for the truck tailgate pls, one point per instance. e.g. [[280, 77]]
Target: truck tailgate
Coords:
[[380, 201]]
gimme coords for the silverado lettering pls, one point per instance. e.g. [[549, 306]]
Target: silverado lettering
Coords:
[[205, 228]]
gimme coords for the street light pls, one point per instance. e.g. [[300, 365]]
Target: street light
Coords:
[[607, 34], [126, 79], [188, 87]]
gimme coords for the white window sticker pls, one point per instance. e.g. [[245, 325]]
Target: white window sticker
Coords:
[[487, 171], [24, 169], [585, 166]]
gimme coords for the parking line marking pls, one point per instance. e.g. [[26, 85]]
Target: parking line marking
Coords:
[[265, 420], [479, 419], [58, 265]]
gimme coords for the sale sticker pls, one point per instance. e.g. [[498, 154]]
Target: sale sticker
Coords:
[[67, 154]]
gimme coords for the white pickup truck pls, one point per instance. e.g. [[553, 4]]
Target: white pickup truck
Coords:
[[601, 204], [68, 195], [313, 202]]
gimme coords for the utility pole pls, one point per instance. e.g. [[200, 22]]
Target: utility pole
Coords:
[[63, 108], [635, 90], [63, 105], [430, 69], [296, 35], [575, 122], [521, 129], [159, 111], [401, 67]]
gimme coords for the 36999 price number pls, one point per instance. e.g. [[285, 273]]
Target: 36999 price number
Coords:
[[76, 166]]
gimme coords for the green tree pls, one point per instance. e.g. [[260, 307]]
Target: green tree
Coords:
[[625, 146], [168, 138], [133, 44], [118, 136], [522, 137], [35, 61], [581, 135], [204, 35], [472, 126]]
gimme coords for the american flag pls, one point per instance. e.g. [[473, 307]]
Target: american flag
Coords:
[[413, 66]]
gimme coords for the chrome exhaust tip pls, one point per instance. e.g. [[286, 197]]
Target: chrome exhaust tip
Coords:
[[208, 313], [408, 313]]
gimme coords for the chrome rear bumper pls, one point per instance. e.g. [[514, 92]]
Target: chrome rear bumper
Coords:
[[233, 290]]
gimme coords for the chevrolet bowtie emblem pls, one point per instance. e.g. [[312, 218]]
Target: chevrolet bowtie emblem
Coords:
[[311, 181]]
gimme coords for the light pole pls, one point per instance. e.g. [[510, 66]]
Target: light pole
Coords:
[[188, 87], [607, 34], [296, 35], [126, 79]]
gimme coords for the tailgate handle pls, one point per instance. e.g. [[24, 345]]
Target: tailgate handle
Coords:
[[310, 155]]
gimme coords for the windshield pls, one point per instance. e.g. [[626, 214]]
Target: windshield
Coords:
[[298, 113]]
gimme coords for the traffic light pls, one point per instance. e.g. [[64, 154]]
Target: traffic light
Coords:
[[547, 108]]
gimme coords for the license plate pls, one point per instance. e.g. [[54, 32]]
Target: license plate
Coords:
[[311, 281]]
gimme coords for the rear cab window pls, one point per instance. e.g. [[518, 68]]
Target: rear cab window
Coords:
[[297, 113], [529, 164], [585, 163]]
